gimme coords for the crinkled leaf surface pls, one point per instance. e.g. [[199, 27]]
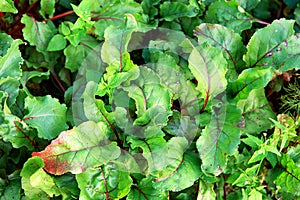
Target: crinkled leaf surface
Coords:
[[109, 181], [10, 62], [260, 47], [256, 112], [10, 86], [78, 149], [209, 68], [249, 79], [183, 176], [227, 13], [47, 115], [248, 5], [220, 138], [37, 33], [144, 190], [74, 57], [228, 41]]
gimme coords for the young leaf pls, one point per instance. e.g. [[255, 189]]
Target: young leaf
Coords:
[[183, 176], [36, 33], [10, 62], [144, 190], [116, 41], [47, 8], [256, 112], [35, 182], [289, 178], [16, 132], [228, 13], [57, 43], [8, 6], [79, 149], [260, 47], [228, 41], [109, 181], [74, 57], [47, 115], [206, 190], [220, 138]]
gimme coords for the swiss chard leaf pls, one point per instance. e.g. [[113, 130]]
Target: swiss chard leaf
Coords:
[[109, 181], [227, 13], [144, 190], [173, 10], [8, 6], [36, 182], [187, 168], [37, 33], [256, 112], [259, 47], [209, 67], [220, 138], [79, 149], [249, 79], [47, 115], [228, 41]]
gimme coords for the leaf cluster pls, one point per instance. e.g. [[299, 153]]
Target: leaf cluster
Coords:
[[149, 99]]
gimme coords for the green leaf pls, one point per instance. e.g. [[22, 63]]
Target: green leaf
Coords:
[[110, 181], [16, 132], [11, 87], [289, 178], [229, 14], [209, 67], [47, 8], [116, 41], [248, 80], [78, 149], [248, 5], [57, 43], [74, 57], [260, 47], [220, 138], [206, 190], [144, 190], [37, 33], [226, 40], [5, 43], [256, 111], [10, 62], [8, 6], [173, 10], [33, 183], [47, 115], [285, 56], [183, 176], [106, 13]]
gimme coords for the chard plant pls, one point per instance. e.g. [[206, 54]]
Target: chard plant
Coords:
[[145, 99]]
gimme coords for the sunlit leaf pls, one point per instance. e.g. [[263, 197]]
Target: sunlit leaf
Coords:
[[78, 149]]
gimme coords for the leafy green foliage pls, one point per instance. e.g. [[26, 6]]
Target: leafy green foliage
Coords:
[[149, 99]]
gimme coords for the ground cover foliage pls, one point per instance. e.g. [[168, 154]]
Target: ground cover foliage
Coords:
[[149, 99]]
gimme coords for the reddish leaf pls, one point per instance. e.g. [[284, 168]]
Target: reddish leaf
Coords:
[[78, 149]]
